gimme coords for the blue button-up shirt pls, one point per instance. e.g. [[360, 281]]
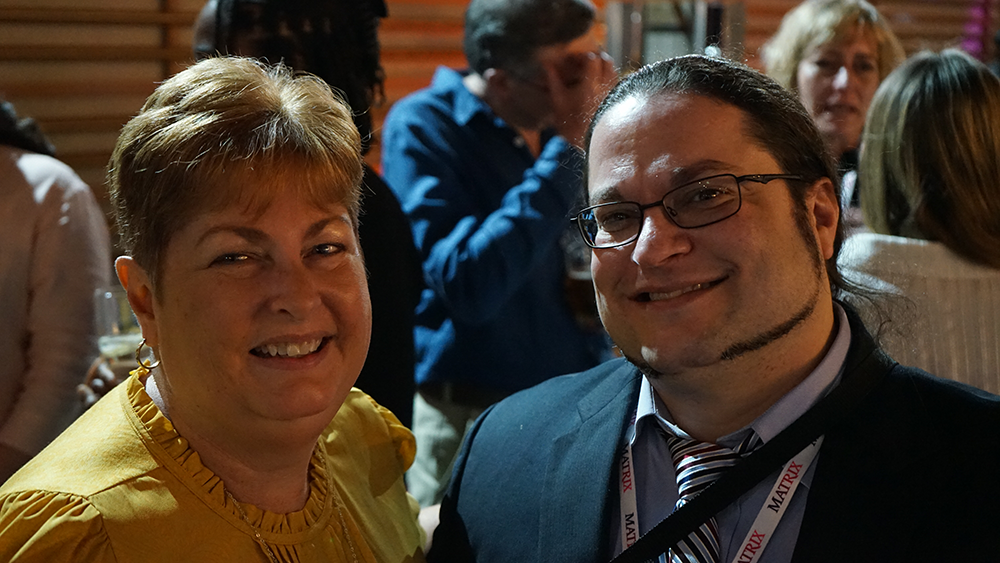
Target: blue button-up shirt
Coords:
[[487, 218]]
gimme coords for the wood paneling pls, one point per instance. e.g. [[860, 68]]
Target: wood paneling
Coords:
[[82, 72]]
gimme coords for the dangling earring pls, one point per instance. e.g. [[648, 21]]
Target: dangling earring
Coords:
[[138, 358]]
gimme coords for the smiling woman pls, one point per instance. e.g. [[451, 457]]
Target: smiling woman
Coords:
[[834, 54], [236, 191]]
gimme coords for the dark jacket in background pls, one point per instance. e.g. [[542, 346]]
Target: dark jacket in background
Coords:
[[395, 280]]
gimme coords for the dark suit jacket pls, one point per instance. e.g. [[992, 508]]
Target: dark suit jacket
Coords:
[[909, 470]]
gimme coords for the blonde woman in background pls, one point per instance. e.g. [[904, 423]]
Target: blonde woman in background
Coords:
[[834, 54], [930, 191]]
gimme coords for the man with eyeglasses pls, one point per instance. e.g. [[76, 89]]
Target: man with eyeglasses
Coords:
[[752, 412], [486, 165]]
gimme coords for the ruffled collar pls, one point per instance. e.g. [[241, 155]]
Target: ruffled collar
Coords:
[[173, 451]]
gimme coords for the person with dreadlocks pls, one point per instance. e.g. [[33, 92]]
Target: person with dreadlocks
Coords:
[[54, 252], [337, 40]]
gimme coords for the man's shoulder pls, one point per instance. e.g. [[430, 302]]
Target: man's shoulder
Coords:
[[912, 406], [565, 399], [537, 466], [946, 395], [442, 96], [916, 458], [573, 384]]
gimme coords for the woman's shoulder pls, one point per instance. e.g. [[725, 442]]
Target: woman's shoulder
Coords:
[[368, 450], [362, 422], [51, 526], [888, 256], [100, 450]]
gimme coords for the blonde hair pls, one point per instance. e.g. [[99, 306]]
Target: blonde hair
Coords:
[[930, 157], [217, 127], [817, 22]]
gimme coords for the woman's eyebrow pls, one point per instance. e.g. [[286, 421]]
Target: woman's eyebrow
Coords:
[[248, 233], [317, 227]]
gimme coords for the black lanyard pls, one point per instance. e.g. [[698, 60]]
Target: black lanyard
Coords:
[[860, 377]]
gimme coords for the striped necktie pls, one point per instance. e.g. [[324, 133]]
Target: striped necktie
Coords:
[[698, 465]]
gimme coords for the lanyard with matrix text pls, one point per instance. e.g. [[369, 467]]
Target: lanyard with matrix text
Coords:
[[763, 526]]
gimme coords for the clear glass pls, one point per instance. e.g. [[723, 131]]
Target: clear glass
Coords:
[[118, 332], [696, 204]]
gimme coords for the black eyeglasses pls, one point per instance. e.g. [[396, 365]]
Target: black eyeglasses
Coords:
[[695, 204]]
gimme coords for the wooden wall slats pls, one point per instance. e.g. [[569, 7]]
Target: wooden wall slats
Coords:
[[99, 124], [24, 74], [90, 16], [70, 5], [452, 13], [83, 68], [59, 109], [76, 142], [94, 52], [74, 36], [429, 45]]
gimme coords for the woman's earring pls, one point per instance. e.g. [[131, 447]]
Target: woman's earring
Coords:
[[138, 358]]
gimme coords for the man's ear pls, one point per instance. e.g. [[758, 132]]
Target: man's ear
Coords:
[[497, 83], [825, 213], [139, 289]]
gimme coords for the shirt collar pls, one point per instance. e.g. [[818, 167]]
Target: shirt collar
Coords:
[[467, 105], [782, 413]]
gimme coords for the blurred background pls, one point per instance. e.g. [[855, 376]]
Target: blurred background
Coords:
[[82, 68]]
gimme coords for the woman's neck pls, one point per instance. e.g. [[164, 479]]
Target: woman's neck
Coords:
[[281, 489], [272, 475]]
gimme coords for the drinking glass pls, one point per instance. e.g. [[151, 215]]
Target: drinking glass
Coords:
[[117, 328]]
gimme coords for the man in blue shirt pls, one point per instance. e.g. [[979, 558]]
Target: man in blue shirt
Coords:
[[486, 167], [753, 413]]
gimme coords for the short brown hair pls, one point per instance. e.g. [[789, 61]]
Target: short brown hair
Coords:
[[930, 160], [505, 34], [216, 127], [818, 22]]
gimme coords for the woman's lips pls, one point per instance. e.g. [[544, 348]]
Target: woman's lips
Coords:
[[289, 349]]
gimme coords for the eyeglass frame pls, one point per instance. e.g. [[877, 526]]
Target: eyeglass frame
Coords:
[[758, 178]]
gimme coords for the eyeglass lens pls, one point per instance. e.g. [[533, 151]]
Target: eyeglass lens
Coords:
[[693, 205]]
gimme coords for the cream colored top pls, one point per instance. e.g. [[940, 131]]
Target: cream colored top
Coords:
[[949, 323], [54, 252], [122, 485]]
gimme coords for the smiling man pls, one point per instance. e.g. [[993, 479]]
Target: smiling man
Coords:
[[752, 413]]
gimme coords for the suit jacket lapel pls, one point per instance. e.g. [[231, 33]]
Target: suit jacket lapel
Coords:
[[865, 367], [582, 470]]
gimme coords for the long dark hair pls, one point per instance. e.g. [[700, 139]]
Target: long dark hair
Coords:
[[22, 133]]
